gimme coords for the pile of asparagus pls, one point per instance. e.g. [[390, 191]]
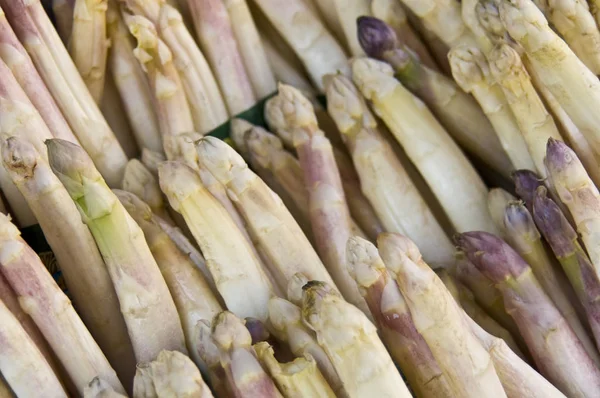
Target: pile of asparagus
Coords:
[[352, 250]]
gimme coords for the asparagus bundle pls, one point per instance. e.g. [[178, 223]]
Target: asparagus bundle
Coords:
[[51, 311], [436, 156], [145, 301], [558, 353], [277, 233], [325, 312], [235, 268], [22, 364], [392, 315], [35, 31], [291, 112], [382, 177], [81, 263], [170, 374], [465, 363]]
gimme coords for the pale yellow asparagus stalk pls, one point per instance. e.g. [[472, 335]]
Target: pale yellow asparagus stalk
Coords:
[[280, 239], [63, 14], [131, 83], [152, 159], [146, 304], [443, 18], [243, 371], [330, 19], [238, 130], [573, 85], [192, 294], [173, 111], [348, 11], [471, 11], [295, 379], [595, 9], [439, 319], [35, 31], [383, 179], [393, 319], [98, 388], [216, 37], [329, 214], [235, 268], [51, 311], [349, 338], [81, 263], [498, 200], [139, 181], [16, 58], [472, 73], [251, 49], [518, 378], [211, 355], [534, 121], [315, 46], [170, 374], [392, 13], [435, 155], [22, 364], [88, 44]]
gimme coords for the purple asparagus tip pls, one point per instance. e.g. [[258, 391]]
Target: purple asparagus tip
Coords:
[[491, 255], [553, 224], [375, 36], [257, 330], [558, 156], [526, 182]]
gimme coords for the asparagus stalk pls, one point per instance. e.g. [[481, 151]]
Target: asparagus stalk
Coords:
[[325, 312], [145, 301], [438, 318], [535, 123], [329, 214], [235, 268], [152, 159], [16, 58], [526, 183], [35, 31], [472, 73], [88, 44], [52, 312], [436, 156], [211, 355], [244, 374], [22, 364], [286, 322], [392, 13], [81, 263], [98, 388], [471, 10], [348, 11], [191, 293], [394, 321], [63, 14], [580, 96], [558, 353], [131, 83], [217, 39], [281, 239], [517, 377], [171, 374], [139, 181], [328, 13], [251, 49], [383, 179], [498, 200], [319, 51]]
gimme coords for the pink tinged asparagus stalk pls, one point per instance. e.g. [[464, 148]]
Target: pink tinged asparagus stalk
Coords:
[[82, 266], [329, 214], [22, 364], [383, 179], [558, 353], [217, 39], [52, 312], [393, 319], [435, 154], [131, 83], [35, 31], [327, 314], [438, 318], [277, 233], [315, 46], [146, 304], [235, 268]]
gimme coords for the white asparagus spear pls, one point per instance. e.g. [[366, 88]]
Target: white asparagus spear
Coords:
[[348, 11]]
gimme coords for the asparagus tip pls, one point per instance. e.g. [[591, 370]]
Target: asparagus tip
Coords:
[[262, 145], [519, 222], [552, 222], [19, 155], [289, 109], [375, 36], [134, 205], [258, 330], [239, 128], [229, 331], [559, 157], [372, 77], [364, 263], [70, 162], [526, 182]]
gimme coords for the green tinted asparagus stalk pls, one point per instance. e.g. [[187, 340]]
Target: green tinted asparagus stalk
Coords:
[[393, 319], [147, 306], [558, 353], [139, 181], [438, 318]]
